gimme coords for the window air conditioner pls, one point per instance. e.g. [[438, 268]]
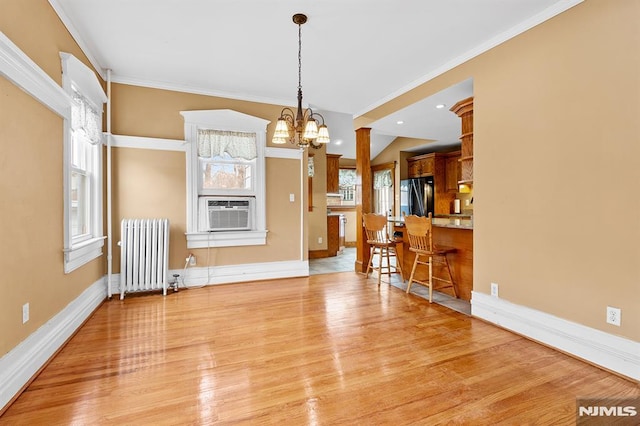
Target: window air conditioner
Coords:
[[226, 213]]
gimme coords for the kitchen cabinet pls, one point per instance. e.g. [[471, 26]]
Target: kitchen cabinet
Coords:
[[452, 172], [333, 234], [333, 169], [421, 165]]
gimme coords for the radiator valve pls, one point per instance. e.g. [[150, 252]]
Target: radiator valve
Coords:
[[175, 282]]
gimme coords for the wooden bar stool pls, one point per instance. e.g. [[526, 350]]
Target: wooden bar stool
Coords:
[[419, 230], [375, 226]]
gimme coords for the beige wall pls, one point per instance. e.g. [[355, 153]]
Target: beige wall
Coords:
[[318, 216], [556, 120], [31, 214], [559, 124], [152, 183]]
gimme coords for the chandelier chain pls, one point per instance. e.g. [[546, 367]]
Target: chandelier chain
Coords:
[[299, 56]]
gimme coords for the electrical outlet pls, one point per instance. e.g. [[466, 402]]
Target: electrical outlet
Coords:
[[319, 240], [192, 260], [613, 315], [494, 289], [25, 313], [292, 198]]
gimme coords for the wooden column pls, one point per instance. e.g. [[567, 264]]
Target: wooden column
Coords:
[[364, 194]]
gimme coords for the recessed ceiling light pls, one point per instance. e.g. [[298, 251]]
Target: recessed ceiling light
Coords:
[[399, 122], [440, 106]]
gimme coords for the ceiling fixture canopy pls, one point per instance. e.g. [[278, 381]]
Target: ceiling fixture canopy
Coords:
[[305, 127]]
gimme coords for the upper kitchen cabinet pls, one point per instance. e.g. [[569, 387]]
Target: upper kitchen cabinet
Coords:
[[333, 169], [421, 165], [452, 171], [464, 110]]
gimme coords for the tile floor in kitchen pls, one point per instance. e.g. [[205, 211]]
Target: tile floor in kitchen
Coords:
[[345, 261]]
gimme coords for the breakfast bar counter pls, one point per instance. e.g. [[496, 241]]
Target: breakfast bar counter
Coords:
[[447, 232]]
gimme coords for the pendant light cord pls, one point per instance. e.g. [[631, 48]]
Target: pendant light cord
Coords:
[[299, 56]]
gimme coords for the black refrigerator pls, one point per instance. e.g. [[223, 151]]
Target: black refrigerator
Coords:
[[416, 196]]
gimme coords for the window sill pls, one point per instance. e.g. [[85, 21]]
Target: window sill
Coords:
[[226, 239], [82, 253]]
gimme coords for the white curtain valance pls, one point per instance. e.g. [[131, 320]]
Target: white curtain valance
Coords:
[[347, 178], [86, 118], [311, 167], [212, 143], [382, 179]]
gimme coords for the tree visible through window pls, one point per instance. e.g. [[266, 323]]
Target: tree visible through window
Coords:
[[227, 161]]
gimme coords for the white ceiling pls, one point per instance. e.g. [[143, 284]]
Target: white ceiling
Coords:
[[356, 54]]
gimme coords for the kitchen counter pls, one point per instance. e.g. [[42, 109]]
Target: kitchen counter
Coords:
[[441, 222], [447, 232]]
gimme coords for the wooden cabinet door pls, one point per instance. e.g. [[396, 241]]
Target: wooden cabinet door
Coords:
[[452, 170], [428, 166], [414, 168], [333, 235], [333, 169], [421, 166]]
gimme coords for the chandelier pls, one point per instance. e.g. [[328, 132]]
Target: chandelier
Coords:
[[305, 127]]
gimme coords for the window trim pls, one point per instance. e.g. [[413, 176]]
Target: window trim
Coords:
[[81, 250], [224, 120]]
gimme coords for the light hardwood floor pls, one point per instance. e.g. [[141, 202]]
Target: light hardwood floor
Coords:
[[324, 350]]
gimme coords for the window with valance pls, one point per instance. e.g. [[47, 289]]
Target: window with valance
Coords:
[[83, 240], [227, 161], [347, 185], [382, 179], [225, 152], [383, 188]]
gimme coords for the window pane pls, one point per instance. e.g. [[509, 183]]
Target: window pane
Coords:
[[79, 150], [227, 174], [382, 200], [79, 204]]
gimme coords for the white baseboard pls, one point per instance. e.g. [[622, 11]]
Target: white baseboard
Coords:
[[612, 352], [199, 276], [20, 364]]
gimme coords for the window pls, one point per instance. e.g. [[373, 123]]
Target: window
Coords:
[[227, 162], [83, 238], [347, 186], [383, 188], [382, 192], [225, 167], [311, 170]]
